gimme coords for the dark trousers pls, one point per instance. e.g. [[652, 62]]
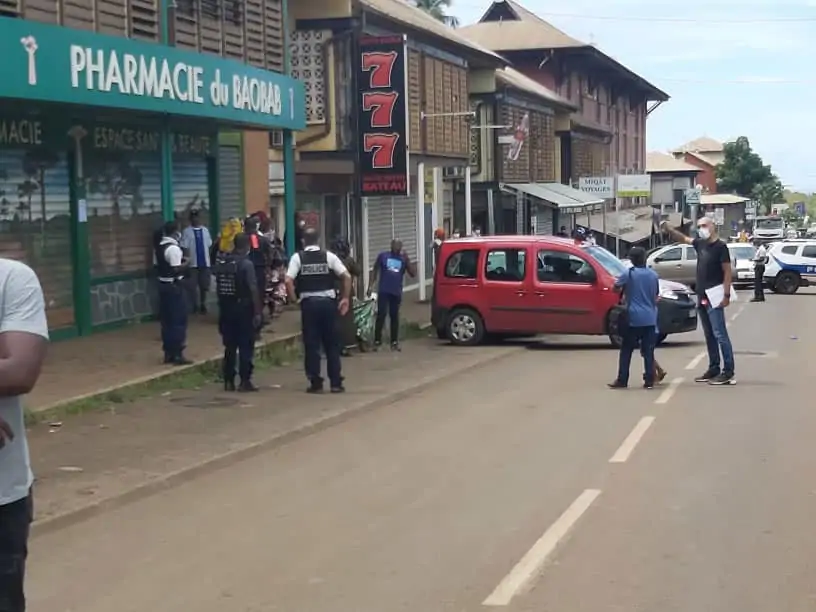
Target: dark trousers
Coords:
[[15, 519], [173, 318], [759, 289], [319, 329], [387, 305], [633, 337], [238, 336], [199, 286]]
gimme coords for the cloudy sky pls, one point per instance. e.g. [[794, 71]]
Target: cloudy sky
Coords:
[[731, 67]]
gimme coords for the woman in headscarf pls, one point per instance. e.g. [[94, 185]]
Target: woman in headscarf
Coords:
[[346, 325], [223, 242]]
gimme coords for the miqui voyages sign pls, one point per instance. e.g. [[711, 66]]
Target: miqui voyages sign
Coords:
[[56, 64]]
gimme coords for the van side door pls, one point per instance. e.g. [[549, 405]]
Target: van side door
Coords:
[[506, 289]]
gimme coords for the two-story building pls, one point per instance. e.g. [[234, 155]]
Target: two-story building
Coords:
[[606, 135], [354, 104], [515, 159], [705, 154], [110, 121]]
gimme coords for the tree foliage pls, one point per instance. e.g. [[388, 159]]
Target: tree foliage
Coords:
[[439, 10], [744, 173]]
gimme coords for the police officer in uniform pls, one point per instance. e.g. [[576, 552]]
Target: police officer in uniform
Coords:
[[313, 275], [239, 312], [760, 259], [170, 268]]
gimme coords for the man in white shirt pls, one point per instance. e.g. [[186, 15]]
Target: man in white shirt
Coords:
[[196, 240], [312, 276], [170, 264], [23, 343], [760, 259]]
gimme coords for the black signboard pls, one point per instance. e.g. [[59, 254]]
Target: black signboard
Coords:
[[383, 116]]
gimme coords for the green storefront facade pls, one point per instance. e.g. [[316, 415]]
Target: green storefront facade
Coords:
[[101, 139]]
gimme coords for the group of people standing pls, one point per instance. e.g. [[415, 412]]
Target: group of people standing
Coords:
[[639, 319]]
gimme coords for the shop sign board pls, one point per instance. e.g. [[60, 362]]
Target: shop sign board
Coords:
[[382, 74], [634, 186], [63, 65], [600, 186]]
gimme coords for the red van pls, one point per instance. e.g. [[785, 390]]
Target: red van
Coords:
[[515, 286]]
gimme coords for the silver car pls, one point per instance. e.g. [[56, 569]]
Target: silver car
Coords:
[[678, 262]]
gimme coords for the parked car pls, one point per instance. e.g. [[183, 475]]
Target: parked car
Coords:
[[678, 262], [516, 286], [791, 264]]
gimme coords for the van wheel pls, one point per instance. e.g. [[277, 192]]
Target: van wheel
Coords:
[[787, 282], [465, 327]]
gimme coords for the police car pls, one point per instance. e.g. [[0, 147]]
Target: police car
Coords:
[[791, 264]]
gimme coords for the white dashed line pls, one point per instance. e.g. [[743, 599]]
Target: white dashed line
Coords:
[[696, 361], [669, 391], [738, 313], [631, 441], [531, 563]]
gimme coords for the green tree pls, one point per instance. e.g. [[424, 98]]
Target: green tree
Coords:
[[744, 173], [439, 10]]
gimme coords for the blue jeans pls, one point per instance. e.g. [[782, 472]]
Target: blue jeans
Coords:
[[173, 318], [717, 340], [319, 329], [646, 338]]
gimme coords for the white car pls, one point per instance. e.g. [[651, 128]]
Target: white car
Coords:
[[791, 264]]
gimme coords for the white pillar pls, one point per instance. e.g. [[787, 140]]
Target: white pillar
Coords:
[[468, 229], [491, 214], [366, 248], [617, 228], [420, 231], [437, 208]]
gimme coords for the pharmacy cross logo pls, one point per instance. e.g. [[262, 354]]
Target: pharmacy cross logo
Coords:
[[30, 45]]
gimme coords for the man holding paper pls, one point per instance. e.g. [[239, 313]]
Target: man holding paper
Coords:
[[714, 294]]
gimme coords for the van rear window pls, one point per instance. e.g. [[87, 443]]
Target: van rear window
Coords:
[[462, 264]]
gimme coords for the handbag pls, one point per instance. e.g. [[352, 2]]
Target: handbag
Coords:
[[621, 311]]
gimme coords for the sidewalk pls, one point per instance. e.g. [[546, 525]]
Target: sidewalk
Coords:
[[106, 361], [99, 460]]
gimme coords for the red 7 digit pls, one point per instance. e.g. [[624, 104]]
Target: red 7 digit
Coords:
[[381, 147]]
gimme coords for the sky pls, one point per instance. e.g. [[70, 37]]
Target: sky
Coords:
[[732, 68]]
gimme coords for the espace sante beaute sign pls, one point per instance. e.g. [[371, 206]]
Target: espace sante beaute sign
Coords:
[[55, 64]]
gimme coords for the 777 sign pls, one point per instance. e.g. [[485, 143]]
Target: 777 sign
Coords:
[[380, 105]]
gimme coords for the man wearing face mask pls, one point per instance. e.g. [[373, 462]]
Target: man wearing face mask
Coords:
[[713, 270]]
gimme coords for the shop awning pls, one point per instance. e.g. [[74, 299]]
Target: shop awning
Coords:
[[567, 199]]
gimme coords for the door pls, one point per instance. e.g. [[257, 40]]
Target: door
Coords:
[[565, 292], [506, 290], [669, 263], [688, 274]]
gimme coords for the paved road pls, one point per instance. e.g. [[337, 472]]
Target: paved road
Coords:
[[526, 485]]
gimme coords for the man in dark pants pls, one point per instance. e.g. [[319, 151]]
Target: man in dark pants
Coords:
[[387, 276], [239, 313], [760, 259], [172, 302], [23, 344], [196, 240], [714, 275], [312, 275]]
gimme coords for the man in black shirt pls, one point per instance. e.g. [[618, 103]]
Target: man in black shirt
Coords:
[[713, 271]]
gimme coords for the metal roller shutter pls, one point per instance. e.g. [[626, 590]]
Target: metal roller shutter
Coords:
[[405, 224], [544, 221], [191, 187], [35, 224], [230, 187], [380, 226]]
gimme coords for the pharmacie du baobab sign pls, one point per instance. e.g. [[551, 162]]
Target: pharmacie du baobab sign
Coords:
[[143, 75]]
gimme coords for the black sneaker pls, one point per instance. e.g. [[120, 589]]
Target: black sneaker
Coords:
[[246, 386], [707, 376], [315, 388], [376, 346], [181, 361], [338, 389], [616, 385], [723, 379], [395, 346], [648, 385], [229, 385]]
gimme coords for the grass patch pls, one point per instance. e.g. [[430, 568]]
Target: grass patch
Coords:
[[271, 355]]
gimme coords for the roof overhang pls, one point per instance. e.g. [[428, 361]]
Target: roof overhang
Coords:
[[566, 199]]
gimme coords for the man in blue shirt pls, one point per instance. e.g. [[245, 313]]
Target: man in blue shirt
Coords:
[[196, 240], [641, 288], [389, 269]]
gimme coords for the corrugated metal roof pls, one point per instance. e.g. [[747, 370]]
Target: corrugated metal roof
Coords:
[[416, 18], [704, 144], [663, 162], [516, 80], [562, 196]]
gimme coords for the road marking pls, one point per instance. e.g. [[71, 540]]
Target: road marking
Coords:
[[534, 560], [631, 441], [668, 392], [738, 313], [696, 361]]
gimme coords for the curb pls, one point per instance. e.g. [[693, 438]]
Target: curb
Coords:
[[174, 479]]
